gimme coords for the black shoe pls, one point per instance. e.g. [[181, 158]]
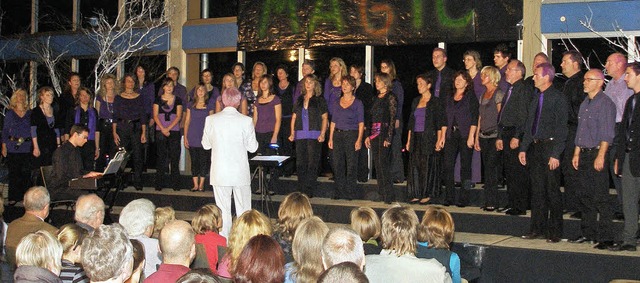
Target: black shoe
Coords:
[[138, 188], [618, 216], [158, 188], [489, 208], [603, 245], [553, 239], [504, 209], [582, 239], [515, 212], [576, 215], [532, 236], [176, 189], [617, 247]]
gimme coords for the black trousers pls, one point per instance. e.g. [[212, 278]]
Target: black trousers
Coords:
[[363, 163], [200, 161], [19, 166], [382, 161], [454, 145], [569, 174], [130, 134], [88, 151], [423, 178], [490, 165], [286, 146], [264, 140], [546, 199], [168, 149], [397, 163], [593, 194], [518, 183], [308, 153], [107, 145], [345, 163]]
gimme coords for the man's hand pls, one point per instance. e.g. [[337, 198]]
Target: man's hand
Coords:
[[598, 164], [553, 163], [514, 143], [499, 145], [522, 156]]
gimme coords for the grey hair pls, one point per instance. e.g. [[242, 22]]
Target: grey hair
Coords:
[[342, 244], [36, 198], [107, 253], [231, 97], [87, 207], [137, 216]]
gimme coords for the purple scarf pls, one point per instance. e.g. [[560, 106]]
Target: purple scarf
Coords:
[[92, 121]]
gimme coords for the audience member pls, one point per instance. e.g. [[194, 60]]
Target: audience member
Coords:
[[435, 234], [138, 262], [178, 248], [399, 240], [342, 244], [36, 206], [249, 224], [366, 223], [200, 276], [261, 260], [162, 216], [71, 236], [206, 224], [345, 272], [107, 254], [307, 251], [5, 269], [38, 258], [137, 218], [294, 208], [90, 211]]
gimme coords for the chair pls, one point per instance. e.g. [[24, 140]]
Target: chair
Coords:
[[69, 205]]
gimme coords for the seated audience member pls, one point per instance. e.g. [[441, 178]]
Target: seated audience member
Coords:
[[6, 275], [178, 249], [137, 219], [249, 224], [340, 245], [261, 260], [397, 261], [107, 254], [345, 272], [71, 236], [435, 234], [294, 208], [138, 262], [89, 212], [162, 216], [67, 165], [307, 251], [207, 223], [200, 275], [38, 258], [366, 223], [36, 206]]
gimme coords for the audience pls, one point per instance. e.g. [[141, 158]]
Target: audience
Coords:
[[344, 272], [307, 251], [89, 212], [207, 223], [435, 234], [138, 262], [178, 249], [340, 245], [294, 208], [137, 218], [70, 237], [107, 254], [399, 241], [37, 257], [5, 270], [36, 206], [366, 223], [249, 224], [261, 260], [162, 216]]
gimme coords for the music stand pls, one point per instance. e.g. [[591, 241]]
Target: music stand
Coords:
[[261, 162]]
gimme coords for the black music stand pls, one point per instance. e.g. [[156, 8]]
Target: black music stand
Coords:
[[263, 162]]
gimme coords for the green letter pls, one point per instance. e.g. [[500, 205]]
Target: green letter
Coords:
[[332, 15], [288, 7], [417, 14], [446, 21]]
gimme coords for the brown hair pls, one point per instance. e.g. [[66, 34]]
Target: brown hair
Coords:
[[294, 208], [437, 228], [162, 216], [307, 249], [207, 219], [261, 260], [366, 223], [399, 225]]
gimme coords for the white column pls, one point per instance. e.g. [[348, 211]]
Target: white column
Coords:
[[301, 59], [33, 65], [368, 64], [520, 49], [242, 56]]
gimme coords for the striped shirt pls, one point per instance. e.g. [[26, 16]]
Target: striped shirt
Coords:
[[71, 273]]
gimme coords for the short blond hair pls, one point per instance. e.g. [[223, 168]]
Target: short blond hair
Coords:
[[207, 219], [13, 102], [162, 216], [365, 221], [249, 224], [40, 249], [307, 249], [294, 208], [493, 73], [399, 225], [70, 237], [437, 227]]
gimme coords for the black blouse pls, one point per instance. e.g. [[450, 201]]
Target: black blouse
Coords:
[[317, 107]]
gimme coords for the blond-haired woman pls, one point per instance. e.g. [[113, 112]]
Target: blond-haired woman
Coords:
[[16, 145], [307, 251], [435, 234], [44, 136], [365, 221], [294, 208], [38, 258], [333, 84], [228, 81], [70, 237], [105, 97], [207, 224]]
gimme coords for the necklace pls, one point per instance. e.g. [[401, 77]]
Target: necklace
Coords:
[[109, 105]]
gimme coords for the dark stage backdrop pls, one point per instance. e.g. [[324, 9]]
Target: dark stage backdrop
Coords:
[[290, 24]]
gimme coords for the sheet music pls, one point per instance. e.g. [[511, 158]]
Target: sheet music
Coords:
[[276, 158]]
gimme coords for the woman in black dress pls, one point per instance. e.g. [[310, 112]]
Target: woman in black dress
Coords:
[[44, 136]]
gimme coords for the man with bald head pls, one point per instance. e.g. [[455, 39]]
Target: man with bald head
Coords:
[[178, 247], [595, 132], [89, 212]]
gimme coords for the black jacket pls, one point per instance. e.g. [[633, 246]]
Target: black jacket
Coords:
[[633, 142]]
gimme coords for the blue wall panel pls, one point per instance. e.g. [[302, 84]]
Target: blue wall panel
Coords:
[[209, 36], [606, 14]]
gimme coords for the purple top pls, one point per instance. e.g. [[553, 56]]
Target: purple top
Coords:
[[267, 115], [297, 92], [106, 109], [418, 127], [478, 88], [213, 95], [619, 93], [331, 94], [596, 121], [128, 109], [148, 93], [179, 91], [196, 125], [305, 133], [168, 113], [16, 128], [348, 118]]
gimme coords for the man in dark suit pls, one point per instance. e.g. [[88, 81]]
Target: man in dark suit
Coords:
[[627, 161], [541, 147], [442, 75]]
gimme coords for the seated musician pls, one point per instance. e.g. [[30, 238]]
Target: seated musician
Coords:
[[67, 165]]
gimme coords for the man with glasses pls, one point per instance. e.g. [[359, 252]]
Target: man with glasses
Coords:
[[67, 165]]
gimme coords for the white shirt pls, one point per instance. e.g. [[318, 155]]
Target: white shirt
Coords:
[[229, 134], [387, 267]]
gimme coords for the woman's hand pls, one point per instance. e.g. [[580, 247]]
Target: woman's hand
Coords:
[[36, 152], [367, 142], [116, 139], [186, 142]]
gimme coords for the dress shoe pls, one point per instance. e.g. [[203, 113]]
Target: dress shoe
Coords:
[[504, 209], [576, 215], [532, 236], [582, 239], [618, 216], [553, 239], [138, 188], [514, 212], [603, 245], [158, 188], [617, 247], [489, 208]]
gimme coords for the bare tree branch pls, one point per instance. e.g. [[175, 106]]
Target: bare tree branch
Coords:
[[49, 57], [621, 42]]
